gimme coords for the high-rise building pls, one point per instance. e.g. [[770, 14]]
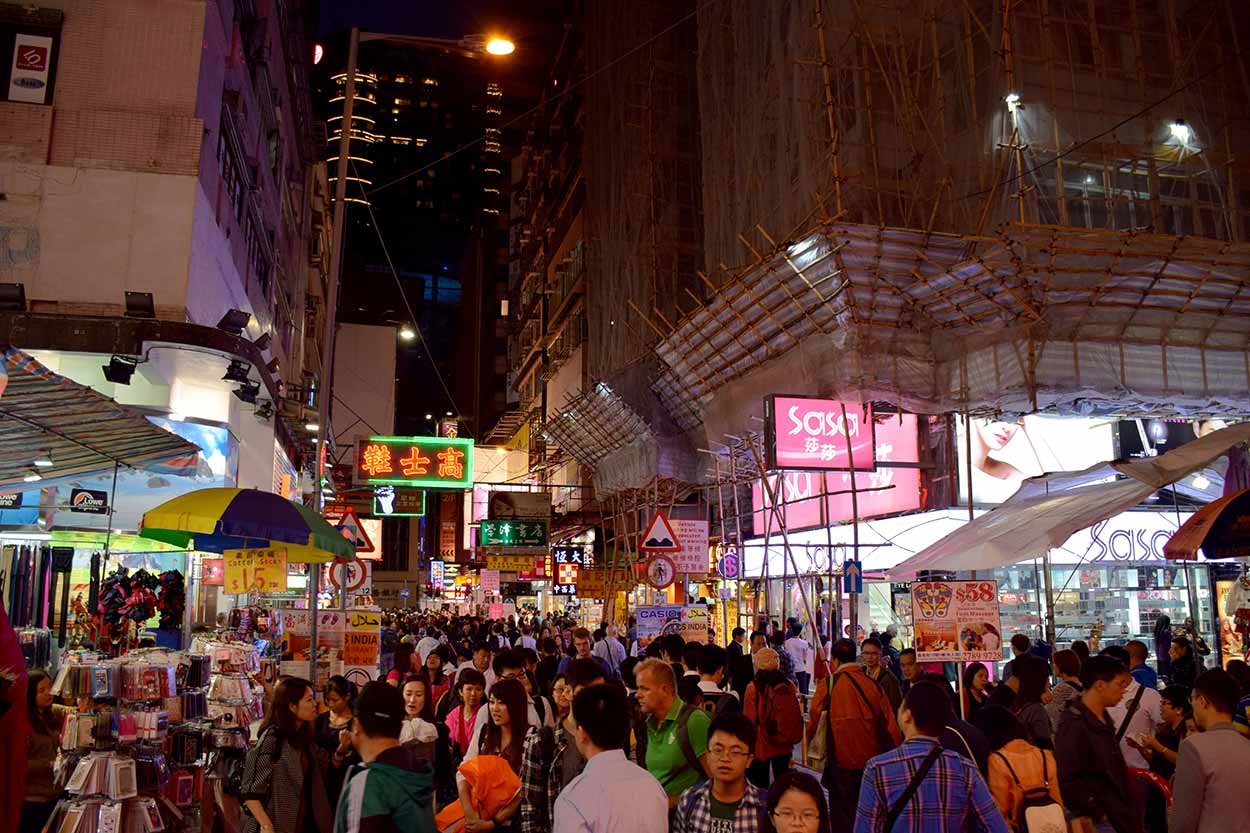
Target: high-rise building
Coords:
[[161, 176]]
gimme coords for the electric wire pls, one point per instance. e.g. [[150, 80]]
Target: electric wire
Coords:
[[412, 316]]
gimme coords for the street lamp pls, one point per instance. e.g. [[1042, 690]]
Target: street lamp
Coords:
[[500, 46]]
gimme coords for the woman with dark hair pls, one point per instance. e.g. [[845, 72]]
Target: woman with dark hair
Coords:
[[46, 720], [1069, 688], [504, 736], [977, 688], [339, 695], [795, 804], [1163, 645], [419, 711], [283, 786], [562, 696], [435, 665], [470, 688], [1016, 765], [403, 664], [1034, 677]]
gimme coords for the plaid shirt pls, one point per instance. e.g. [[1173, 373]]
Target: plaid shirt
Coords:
[[952, 792], [694, 810], [541, 781]]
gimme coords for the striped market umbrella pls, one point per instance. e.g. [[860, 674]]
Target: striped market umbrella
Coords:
[[216, 520]]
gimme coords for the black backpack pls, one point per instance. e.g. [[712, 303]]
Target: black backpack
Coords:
[[683, 740], [720, 703]]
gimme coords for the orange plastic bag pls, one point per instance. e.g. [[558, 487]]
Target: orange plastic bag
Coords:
[[492, 785]]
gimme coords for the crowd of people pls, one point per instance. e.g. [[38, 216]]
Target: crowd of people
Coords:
[[539, 726]]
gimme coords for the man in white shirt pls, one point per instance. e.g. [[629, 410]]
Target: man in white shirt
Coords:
[[1146, 717], [608, 648], [526, 639], [613, 794], [801, 654], [481, 661]]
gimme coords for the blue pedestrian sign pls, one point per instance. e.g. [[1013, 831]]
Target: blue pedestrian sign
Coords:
[[852, 577]]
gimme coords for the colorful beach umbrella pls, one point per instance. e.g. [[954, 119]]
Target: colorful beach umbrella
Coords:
[[216, 520], [1221, 529]]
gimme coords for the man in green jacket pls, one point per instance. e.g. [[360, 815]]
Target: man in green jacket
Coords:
[[392, 791]]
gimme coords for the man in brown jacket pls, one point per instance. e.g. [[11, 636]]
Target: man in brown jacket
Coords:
[[861, 725]]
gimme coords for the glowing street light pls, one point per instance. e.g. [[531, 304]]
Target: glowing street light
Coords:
[[500, 46]]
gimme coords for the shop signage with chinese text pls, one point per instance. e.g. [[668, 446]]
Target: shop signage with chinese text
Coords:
[[421, 462], [818, 434], [523, 533]]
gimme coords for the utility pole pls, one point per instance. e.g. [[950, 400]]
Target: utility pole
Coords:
[[331, 313]]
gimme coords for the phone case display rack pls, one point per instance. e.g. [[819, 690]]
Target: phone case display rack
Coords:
[[133, 762]]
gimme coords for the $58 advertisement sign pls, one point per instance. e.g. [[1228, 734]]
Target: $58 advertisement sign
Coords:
[[956, 621]]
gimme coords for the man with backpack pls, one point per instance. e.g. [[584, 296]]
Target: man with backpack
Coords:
[[921, 787], [674, 743], [551, 758], [859, 724], [716, 700], [772, 706]]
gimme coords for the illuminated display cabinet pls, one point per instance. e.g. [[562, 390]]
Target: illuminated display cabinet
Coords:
[[424, 462]]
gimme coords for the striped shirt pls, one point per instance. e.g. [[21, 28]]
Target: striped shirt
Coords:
[[952, 794]]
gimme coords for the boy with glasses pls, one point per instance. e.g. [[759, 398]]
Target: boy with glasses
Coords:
[[726, 802]]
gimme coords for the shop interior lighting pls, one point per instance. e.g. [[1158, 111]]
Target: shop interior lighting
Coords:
[[140, 305], [120, 369], [33, 476], [312, 426], [1181, 132], [1201, 482], [247, 392], [235, 321], [237, 371], [43, 461]]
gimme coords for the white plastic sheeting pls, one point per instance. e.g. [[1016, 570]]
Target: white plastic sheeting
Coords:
[[1049, 510]]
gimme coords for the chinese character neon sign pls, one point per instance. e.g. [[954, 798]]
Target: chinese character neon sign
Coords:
[[425, 462], [519, 533]]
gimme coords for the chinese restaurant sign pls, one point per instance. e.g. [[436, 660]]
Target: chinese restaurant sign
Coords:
[[531, 533], [816, 434], [956, 621], [423, 462]]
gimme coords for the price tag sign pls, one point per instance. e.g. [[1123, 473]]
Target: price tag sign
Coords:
[[255, 571]]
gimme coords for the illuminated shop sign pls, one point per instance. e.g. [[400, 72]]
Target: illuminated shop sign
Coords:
[[531, 533], [818, 434], [425, 462]]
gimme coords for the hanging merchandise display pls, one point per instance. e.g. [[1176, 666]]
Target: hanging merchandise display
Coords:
[[132, 760], [127, 600], [1237, 603]]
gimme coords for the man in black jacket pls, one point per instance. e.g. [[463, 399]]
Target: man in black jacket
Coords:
[[1093, 777]]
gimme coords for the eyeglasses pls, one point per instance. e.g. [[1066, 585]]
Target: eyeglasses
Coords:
[[727, 752], [791, 817]]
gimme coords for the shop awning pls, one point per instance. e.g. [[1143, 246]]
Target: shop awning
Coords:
[[1048, 510], [83, 433]]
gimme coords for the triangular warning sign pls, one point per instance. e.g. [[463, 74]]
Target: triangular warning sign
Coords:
[[352, 530], [659, 536]]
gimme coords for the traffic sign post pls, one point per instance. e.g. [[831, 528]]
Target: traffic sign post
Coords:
[[659, 536], [852, 577]]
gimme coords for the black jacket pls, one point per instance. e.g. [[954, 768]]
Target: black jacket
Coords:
[[1093, 777]]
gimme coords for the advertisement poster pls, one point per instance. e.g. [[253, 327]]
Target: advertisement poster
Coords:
[[1005, 453], [363, 638], [506, 506], [691, 622], [28, 76], [956, 621], [490, 581], [248, 571]]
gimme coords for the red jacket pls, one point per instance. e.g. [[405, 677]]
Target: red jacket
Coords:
[[863, 724], [773, 704]]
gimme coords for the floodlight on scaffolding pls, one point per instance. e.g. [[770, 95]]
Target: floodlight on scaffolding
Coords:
[[1181, 132], [407, 333], [500, 46], [1013, 101]]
